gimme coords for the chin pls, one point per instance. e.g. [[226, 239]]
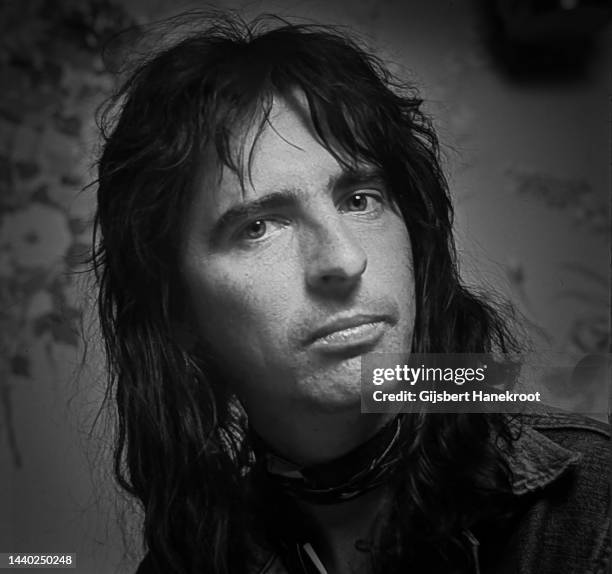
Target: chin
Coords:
[[334, 403], [335, 390]]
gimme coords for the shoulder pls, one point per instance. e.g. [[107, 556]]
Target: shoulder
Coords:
[[584, 444], [569, 426], [562, 464], [587, 437]]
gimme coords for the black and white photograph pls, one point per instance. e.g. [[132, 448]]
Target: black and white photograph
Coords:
[[305, 287]]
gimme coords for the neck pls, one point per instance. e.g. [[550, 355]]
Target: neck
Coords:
[[307, 439], [337, 474]]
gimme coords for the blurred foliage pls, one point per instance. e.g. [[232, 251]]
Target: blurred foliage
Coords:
[[589, 213], [587, 208], [53, 81]]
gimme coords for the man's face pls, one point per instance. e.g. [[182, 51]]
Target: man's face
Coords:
[[291, 281]]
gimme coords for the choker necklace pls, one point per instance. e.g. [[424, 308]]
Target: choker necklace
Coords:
[[353, 474]]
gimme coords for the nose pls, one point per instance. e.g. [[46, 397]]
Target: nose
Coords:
[[335, 258]]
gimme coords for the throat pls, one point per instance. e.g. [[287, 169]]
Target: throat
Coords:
[[367, 467], [331, 514]]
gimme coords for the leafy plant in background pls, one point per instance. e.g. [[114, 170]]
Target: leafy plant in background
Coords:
[[587, 207], [589, 332], [589, 213], [53, 81]]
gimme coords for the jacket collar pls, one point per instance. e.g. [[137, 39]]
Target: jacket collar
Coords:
[[536, 461]]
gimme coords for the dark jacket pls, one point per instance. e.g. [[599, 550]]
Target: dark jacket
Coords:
[[561, 481], [562, 475]]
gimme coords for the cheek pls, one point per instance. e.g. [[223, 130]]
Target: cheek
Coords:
[[245, 307], [390, 262]]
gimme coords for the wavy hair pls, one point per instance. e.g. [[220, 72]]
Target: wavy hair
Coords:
[[181, 446]]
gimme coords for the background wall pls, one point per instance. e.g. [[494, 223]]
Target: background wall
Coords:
[[527, 156]]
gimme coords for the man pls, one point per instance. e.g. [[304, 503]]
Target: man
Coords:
[[270, 209]]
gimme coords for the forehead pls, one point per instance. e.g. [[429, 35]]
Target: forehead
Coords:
[[285, 154]]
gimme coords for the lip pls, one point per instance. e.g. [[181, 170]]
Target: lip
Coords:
[[357, 331]]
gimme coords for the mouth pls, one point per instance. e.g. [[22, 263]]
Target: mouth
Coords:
[[356, 334]]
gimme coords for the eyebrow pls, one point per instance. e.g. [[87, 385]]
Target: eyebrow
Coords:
[[240, 212], [289, 196], [350, 177]]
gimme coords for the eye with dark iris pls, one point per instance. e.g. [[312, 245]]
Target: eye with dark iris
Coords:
[[358, 202], [370, 202], [256, 229]]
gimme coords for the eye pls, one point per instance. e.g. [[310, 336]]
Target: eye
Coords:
[[258, 229], [362, 201], [255, 230], [357, 202]]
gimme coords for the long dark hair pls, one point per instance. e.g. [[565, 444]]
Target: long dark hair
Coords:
[[181, 446]]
